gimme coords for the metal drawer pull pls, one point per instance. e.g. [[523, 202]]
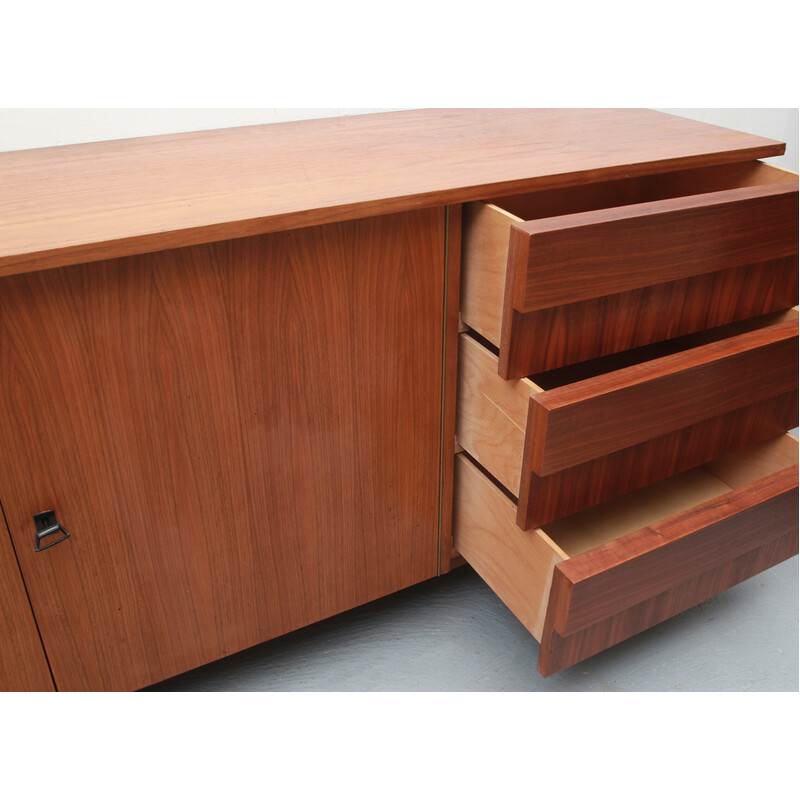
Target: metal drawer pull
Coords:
[[46, 525]]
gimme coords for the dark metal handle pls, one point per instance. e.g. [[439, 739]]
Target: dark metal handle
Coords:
[[46, 525]]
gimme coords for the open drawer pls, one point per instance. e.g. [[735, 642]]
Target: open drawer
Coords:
[[591, 580], [561, 276], [568, 439]]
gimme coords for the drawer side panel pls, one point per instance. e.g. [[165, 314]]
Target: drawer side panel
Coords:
[[517, 565]]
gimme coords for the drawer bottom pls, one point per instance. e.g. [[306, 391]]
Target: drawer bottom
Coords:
[[593, 579]]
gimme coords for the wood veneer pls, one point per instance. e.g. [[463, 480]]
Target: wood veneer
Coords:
[[576, 332], [584, 583], [487, 225], [242, 438], [573, 424], [626, 571], [544, 499], [620, 588], [579, 257], [68, 205], [732, 271], [497, 427], [248, 436], [23, 666], [562, 652]]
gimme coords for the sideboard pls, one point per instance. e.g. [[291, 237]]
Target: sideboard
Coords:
[[254, 377]]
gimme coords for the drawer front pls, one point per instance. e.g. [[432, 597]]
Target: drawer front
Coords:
[[592, 580], [565, 449], [580, 422], [544, 499], [568, 334], [663, 253], [600, 498], [626, 586], [557, 278], [578, 257]]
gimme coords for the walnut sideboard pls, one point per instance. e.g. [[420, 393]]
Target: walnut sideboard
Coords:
[[255, 377]]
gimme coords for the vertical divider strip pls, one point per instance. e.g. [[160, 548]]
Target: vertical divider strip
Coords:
[[452, 290]]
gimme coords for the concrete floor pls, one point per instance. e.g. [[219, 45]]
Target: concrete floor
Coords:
[[452, 634]]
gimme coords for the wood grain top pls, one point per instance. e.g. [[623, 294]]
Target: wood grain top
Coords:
[[78, 203]]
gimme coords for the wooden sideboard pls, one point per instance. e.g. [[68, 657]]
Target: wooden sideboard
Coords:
[[264, 375]]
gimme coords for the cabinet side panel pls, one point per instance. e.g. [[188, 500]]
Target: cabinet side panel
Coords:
[[242, 438], [23, 667]]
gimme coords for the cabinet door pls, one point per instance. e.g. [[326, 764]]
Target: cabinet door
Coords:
[[23, 667], [242, 438]]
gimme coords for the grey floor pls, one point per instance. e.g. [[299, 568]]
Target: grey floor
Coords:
[[452, 634]]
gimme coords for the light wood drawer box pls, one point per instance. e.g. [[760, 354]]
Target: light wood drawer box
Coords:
[[564, 275], [591, 580], [575, 437]]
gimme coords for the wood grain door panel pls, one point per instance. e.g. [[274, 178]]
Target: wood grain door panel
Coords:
[[23, 666], [242, 438]]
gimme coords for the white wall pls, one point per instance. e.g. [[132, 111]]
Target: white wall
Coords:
[[22, 128]]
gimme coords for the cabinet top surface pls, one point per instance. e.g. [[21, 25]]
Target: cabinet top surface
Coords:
[[85, 202]]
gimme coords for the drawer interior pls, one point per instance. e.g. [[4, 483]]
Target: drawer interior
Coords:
[[596, 526], [643, 189], [572, 373]]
